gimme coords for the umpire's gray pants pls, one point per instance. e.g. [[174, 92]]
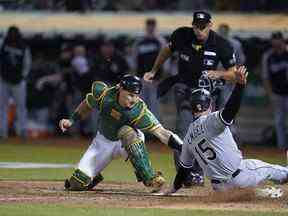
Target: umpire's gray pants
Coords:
[[184, 115], [149, 95], [18, 93], [280, 104], [183, 120]]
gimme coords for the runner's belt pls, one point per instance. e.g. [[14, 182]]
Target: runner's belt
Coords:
[[216, 181]]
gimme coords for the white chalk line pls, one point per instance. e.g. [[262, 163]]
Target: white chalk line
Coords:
[[24, 165]]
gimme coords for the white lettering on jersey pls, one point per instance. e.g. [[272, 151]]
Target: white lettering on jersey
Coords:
[[209, 62], [211, 143], [196, 131], [184, 57], [209, 53]]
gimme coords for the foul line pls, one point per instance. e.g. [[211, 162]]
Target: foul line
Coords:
[[22, 165]]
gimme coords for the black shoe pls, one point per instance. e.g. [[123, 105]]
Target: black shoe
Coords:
[[67, 184]]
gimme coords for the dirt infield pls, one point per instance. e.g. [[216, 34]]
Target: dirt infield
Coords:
[[134, 195]]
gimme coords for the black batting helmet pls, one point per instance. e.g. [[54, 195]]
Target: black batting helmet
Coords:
[[131, 83], [200, 100]]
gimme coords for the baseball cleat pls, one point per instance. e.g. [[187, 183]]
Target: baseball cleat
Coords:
[[270, 192], [67, 184], [156, 183]]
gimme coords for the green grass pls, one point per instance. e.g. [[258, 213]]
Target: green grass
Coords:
[[118, 170], [274, 159], [77, 210]]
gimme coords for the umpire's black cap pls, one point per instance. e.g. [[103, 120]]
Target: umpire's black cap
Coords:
[[131, 83], [201, 19]]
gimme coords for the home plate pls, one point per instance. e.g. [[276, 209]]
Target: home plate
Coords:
[[168, 195]]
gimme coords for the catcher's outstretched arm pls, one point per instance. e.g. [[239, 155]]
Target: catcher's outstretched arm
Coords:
[[168, 137], [81, 111]]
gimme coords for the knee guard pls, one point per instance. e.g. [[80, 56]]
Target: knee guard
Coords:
[[79, 181], [138, 155]]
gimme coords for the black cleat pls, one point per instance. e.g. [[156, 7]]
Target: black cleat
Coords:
[[67, 184]]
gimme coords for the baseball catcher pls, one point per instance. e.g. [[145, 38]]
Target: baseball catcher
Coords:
[[123, 119]]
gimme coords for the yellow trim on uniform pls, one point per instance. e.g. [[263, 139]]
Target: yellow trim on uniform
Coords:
[[79, 180], [150, 127], [135, 143], [101, 95], [155, 127], [87, 101], [136, 120], [101, 98], [128, 131]]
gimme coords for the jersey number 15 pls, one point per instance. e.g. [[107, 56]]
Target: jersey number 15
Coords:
[[208, 152]]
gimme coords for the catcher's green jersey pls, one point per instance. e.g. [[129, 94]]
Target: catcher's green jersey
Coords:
[[113, 116]]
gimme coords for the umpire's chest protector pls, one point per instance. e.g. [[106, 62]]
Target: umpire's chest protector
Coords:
[[196, 57]]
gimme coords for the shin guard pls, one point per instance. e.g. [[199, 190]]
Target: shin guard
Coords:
[[137, 153]]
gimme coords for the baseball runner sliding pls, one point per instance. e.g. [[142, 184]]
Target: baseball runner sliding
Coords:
[[210, 142]]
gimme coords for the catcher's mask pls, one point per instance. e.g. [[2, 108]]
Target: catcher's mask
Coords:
[[200, 100], [131, 83]]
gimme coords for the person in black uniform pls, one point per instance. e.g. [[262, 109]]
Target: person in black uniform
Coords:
[[109, 65], [275, 80], [15, 65], [146, 49], [200, 49]]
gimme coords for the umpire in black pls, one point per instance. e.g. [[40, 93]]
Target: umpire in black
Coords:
[[199, 49]]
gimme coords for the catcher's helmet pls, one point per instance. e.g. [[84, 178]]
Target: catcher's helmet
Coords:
[[200, 100], [131, 83]]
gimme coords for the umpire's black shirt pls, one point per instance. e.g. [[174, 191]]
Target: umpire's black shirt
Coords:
[[196, 57]]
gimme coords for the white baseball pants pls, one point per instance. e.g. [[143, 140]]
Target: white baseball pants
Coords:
[[253, 172]]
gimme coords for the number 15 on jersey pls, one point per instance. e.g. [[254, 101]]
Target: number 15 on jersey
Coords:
[[204, 151]]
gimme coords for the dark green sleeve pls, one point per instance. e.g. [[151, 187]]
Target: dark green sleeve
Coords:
[[146, 121], [93, 99]]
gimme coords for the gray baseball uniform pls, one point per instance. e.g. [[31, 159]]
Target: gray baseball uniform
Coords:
[[211, 143]]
